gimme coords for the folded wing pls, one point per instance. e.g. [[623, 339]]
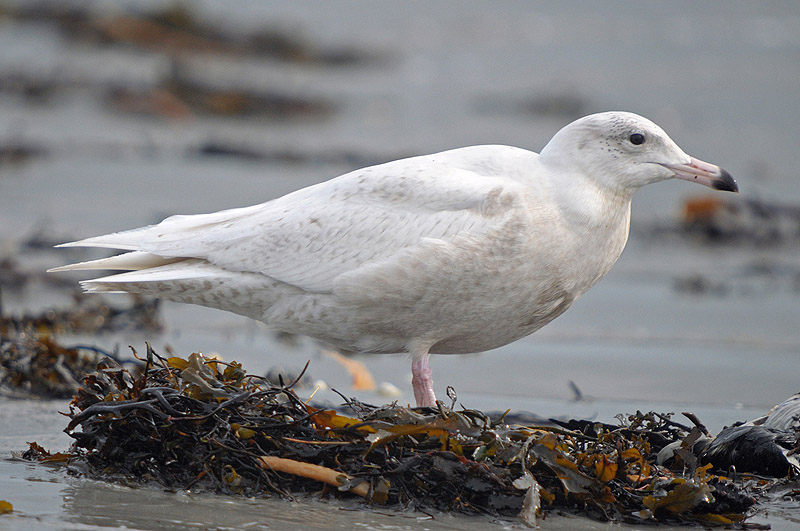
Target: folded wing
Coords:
[[310, 237]]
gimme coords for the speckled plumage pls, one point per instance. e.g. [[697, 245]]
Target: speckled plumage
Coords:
[[460, 251]]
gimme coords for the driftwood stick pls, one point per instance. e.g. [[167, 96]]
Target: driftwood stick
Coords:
[[308, 470]]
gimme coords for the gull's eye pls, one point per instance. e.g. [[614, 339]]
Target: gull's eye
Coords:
[[637, 139]]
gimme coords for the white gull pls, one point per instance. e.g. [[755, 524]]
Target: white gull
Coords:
[[456, 252]]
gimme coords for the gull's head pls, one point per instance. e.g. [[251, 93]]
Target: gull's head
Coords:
[[622, 151]]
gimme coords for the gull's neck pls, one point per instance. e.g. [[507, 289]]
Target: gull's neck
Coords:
[[588, 204]]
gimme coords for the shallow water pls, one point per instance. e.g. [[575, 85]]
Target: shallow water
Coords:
[[720, 78]]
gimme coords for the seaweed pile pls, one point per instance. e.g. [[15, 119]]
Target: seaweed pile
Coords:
[[40, 367], [208, 425], [86, 316], [33, 364]]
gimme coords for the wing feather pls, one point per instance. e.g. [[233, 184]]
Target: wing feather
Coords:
[[311, 236]]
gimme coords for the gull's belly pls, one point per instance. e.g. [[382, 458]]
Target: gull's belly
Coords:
[[461, 311], [501, 326]]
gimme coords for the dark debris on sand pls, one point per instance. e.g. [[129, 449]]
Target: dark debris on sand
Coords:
[[746, 221], [193, 423], [34, 365], [38, 367], [180, 34], [86, 316], [177, 29]]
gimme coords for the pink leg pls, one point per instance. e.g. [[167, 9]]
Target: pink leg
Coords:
[[422, 381]]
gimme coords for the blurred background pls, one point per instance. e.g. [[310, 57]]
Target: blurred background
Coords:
[[115, 115]]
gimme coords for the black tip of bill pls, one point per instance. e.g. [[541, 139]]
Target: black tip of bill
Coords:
[[725, 182]]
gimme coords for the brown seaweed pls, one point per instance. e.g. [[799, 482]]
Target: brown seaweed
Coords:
[[192, 423], [33, 364], [86, 316], [747, 221]]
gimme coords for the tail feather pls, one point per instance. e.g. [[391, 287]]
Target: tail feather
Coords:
[[132, 261], [167, 261], [179, 235], [124, 241], [178, 270], [196, 281]]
